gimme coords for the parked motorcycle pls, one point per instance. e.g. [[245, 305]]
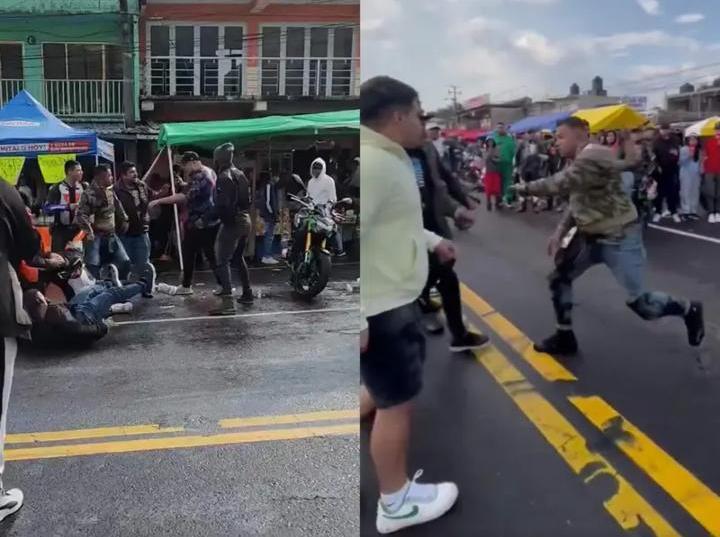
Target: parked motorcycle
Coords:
[[308, 256]]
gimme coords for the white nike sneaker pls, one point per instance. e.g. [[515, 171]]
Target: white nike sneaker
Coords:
[[269, 261], [676, 218], [711, 218], [657, 218], [666, 214], [10, 502], [414, 511], [165, 289]]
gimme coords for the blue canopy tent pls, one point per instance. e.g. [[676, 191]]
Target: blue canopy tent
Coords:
[[547, 121], [28, 129]]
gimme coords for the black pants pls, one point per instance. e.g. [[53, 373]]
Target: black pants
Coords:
[[443, 277], [668, 191], [160, 231], [197, 240]]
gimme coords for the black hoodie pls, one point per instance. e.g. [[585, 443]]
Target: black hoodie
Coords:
[[232, 191]]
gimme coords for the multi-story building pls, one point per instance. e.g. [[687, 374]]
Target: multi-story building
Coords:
[[691, 104], [223, 59], [79, 58]]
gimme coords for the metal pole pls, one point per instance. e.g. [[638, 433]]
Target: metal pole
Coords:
[[175, 208]]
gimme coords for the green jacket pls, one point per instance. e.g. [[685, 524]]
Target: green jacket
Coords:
[[100, 212], [506, 148], [598, 205]]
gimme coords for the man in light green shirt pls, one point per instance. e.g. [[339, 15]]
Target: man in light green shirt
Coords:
[[393, 272]]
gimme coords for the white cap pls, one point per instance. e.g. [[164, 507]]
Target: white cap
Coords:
[[432, 125]]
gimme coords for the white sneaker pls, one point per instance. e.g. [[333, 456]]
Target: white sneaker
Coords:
[[676, 218], [666, 214], [10, 502], [717, 218], [165, 289], [656, 218], [184, 291], [269, 261], [415, 511], [712, 219], [125, 307]]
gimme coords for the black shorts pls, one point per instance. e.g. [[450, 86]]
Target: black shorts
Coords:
[[391, 368]]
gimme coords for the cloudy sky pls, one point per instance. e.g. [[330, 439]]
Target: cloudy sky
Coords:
[[513, 48]]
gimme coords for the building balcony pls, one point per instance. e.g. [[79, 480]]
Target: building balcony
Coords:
[[252, 78], [9, 88], [84, 98]]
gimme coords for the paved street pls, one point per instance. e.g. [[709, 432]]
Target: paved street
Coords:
[[184, 425], [621, 440]]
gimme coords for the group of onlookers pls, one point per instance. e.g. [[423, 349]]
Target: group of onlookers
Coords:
[[678, 177]]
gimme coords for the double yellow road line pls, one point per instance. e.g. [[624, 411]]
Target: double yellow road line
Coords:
[[625, 505], [155, 437]]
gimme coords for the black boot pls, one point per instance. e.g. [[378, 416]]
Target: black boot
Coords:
[[695, 324], [561, 342]]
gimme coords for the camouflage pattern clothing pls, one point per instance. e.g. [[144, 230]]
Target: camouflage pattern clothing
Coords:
[[100, 212], [598, 205]]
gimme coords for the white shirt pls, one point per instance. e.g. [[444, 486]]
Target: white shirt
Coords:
[[322, 189], [440, 146]]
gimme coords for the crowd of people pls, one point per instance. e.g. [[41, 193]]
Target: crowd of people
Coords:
[[59, 285], [410, 188], [675, 177]]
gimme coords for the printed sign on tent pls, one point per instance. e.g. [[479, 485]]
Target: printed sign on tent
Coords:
[[10, 168], [53, 167]]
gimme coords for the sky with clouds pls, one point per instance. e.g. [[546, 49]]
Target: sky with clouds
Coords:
[[513, 48]]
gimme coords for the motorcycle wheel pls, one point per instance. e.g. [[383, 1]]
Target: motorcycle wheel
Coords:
[[310, 279]]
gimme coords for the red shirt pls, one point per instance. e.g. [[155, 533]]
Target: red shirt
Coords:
[[712, 156]]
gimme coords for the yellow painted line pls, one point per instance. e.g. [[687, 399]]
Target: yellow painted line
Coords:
[[82, 434], [474, 301], [694, 496], [626, 506], [307, 417], [177, 442], [543, 363]]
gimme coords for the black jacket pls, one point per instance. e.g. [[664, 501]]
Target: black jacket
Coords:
[[18, 241], [667, 155], [137, 212], [232, 191], [60, 327]]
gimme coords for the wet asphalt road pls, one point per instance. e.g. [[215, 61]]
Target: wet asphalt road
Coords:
[[276, 358], [513, 482]]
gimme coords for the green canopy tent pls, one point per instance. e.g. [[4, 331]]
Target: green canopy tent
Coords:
[[247, 131], [244, 132]]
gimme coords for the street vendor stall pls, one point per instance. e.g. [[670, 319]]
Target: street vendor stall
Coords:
[[29, 130], [205, 135], [615, 117]]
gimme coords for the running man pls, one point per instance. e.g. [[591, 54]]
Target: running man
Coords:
[[608, 232]]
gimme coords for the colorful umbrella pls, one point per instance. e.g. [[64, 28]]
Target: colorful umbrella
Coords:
[[706, 127]]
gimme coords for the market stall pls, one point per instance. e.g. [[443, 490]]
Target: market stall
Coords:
[[615, 117], [206, 135], [29, 130]]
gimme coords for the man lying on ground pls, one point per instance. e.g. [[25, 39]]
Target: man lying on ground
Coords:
[[80, 321]]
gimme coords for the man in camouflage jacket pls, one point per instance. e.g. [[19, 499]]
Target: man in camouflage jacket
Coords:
[[101, 216], [608, 232]]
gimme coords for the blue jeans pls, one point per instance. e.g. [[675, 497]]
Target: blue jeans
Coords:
[[106, 249], [137, 248], [269, 236], [92, 305], [625, 257]]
